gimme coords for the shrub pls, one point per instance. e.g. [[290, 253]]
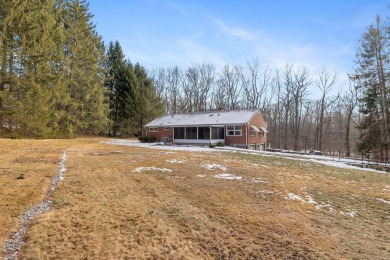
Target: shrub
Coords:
[[212, 145], [220, 144], [151, 139], [143, 139]]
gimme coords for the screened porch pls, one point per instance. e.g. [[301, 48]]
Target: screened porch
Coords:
[[199, 134]]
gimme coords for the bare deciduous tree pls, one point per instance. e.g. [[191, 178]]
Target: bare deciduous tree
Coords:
[[325, 81]]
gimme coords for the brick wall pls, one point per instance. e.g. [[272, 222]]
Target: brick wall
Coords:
[[160, 133], [256, 120]]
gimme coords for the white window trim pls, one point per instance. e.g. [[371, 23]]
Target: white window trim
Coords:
[[167, 128], [235, 130], [153, 129], [252, 132]]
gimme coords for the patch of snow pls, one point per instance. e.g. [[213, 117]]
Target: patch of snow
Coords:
[[141, 169], [201, 175], [61, 167], [351, 214], [385, 201], [258, 181], [228, 176], [177, 177], [266, 192], [310, 200], [213, 166], [292, 196], [176, 161], [323, 206]]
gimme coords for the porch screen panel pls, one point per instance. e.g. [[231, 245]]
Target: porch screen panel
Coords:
[[179, 132], [204, 133], [191, 133], [217, 133], [221, 133]]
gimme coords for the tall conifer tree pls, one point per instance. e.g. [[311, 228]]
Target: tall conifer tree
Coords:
[[83, 53], [373, 76]]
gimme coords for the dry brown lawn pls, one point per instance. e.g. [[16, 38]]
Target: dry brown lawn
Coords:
[[26, 167], [110, 206]]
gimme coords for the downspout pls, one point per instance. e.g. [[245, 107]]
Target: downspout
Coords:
[[246, 136]]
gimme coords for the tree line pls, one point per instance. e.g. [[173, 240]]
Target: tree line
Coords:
[[295, 120], [55, 78]]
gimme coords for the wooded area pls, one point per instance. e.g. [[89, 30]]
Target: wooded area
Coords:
[[295, 120], [55, 80], [58, 79]]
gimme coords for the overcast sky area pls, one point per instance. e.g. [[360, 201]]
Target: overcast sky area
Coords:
[[311, 33]]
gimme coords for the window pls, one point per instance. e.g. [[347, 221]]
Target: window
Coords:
[[179, 132], [252, 132], [153, 129], [233, 130], [204, 133], [191, 133], [167, 128]]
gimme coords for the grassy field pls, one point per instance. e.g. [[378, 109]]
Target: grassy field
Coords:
[[127, 202]]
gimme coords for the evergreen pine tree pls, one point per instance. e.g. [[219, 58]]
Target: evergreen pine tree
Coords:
[[149, 103], [373, 75], [116, 80], [84, 52]]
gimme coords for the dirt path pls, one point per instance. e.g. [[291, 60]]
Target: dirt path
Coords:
[[13, 245]]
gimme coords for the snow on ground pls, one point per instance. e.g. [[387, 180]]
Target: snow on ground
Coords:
[[259, 181], [309, 199], [176, 161], [266, 192], [292, 196], [176, 177], [141, 169], [351, 213], [214, 166], [201, 175], [384, 201], [228, 176], [161, 147], [342, 163], [61, 167]]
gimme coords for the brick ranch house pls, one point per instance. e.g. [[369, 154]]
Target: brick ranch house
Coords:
[[240, 128]]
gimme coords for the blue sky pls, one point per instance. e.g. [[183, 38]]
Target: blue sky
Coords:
[[312, 33]]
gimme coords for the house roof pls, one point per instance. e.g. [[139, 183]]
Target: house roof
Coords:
[[204, 118]]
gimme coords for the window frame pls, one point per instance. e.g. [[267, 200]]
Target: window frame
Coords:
[[153, 129], [236, 132], [252, 132], [167, 128]]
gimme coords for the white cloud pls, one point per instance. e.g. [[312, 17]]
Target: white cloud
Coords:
[[234, 32]]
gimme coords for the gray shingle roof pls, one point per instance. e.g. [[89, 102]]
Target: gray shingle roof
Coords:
[[204, 118]]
